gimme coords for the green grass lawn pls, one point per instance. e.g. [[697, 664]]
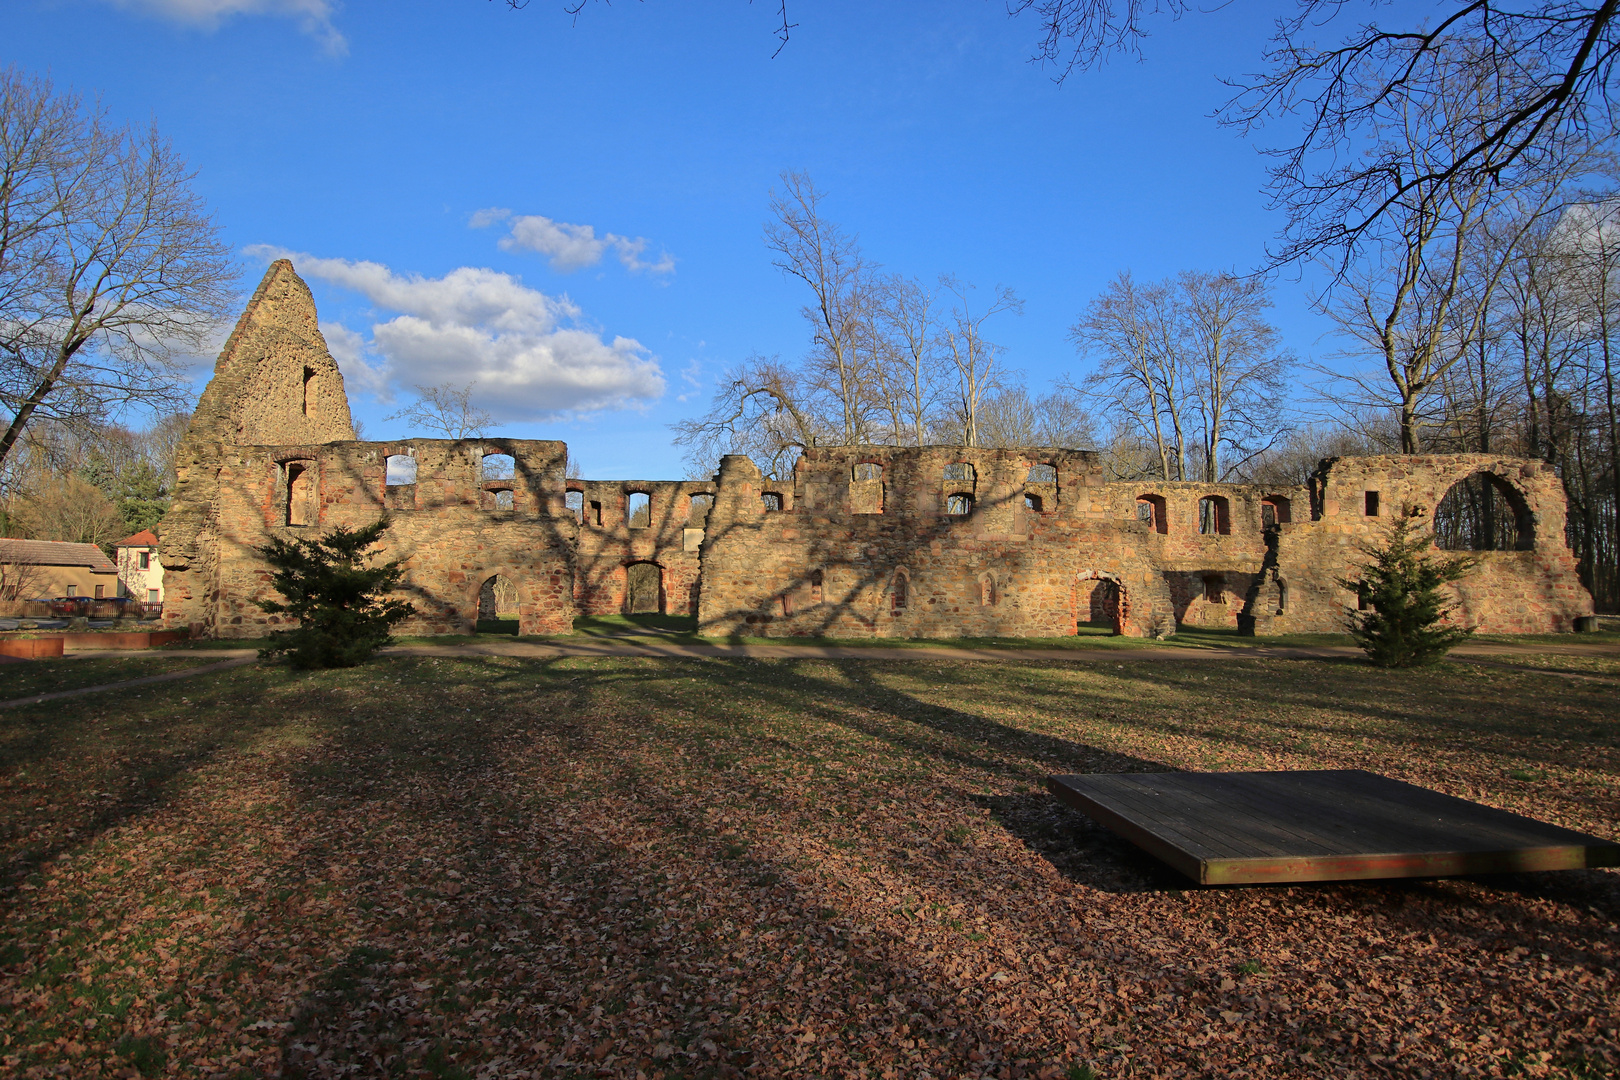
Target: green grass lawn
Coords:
[[45, 676], [713, 867]]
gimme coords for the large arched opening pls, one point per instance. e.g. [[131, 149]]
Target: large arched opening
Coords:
[[1483, 512]]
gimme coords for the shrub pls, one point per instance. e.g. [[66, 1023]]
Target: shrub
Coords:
[[1400, 585], [336, 598]]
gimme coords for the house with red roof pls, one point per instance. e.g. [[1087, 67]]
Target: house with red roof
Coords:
[[140, 571]]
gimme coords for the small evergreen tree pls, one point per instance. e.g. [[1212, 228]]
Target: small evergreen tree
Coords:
[[1401, 587], [334, 595]]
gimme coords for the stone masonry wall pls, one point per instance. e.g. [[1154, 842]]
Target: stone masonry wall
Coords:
[[610, 542], [1266, 560], [867, 543], [875, 541], [447, 528]]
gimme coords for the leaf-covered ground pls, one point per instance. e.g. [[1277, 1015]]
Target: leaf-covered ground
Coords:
[[684, 868]]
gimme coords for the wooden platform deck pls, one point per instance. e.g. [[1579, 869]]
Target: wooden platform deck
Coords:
[[1320, 825]]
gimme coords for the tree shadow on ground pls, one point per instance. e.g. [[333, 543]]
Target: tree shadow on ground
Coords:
[[1082, 851]]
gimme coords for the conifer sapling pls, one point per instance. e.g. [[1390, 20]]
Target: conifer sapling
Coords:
[[336, 598], [1400, 586]]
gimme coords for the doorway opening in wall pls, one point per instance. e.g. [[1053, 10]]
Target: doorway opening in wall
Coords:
[[498, 606], [644, 589], [1099, 604]]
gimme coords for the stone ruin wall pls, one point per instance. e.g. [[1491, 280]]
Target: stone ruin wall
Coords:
[[610, 543], [830, 560], [858, 542], [448, 529]]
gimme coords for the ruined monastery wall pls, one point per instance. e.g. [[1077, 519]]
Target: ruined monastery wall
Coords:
[[880, 541]]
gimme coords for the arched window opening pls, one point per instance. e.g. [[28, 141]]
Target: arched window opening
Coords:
[[300, 493], [504, 499], [497, 599], [499, 467], [900, 592], [987, 590], [816, 591], [1483, 512], [1032, 503], [644, 589], [959, 472], [639, 508], [1214, 516], [960, 504], [868, 470], [1042, 474], [309, 389], [575, 502], [1274, 510], [771, 501], [399, 470], [698, 507], [1150, 511]]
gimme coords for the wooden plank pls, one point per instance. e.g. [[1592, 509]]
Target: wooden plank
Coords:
[[1319, 825]]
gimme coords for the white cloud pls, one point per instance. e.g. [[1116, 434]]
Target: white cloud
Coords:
[[352, 354], [528, 352], [569, 247], [314, 16]]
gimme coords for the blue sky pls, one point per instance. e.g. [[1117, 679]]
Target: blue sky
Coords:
[[367, 138]]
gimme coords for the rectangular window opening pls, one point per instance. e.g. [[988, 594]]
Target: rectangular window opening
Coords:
[[1372, 504]]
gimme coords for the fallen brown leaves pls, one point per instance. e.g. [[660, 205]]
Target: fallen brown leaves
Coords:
[[788, 868]]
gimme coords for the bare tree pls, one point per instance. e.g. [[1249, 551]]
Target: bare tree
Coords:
[[974, 357], [448, 410], [1130, 331], [1425, 298], [1008, 418], [759, 409], [1235, 368], [110, 265], [1548, 67], [829, 262], [1061, 419], [907, 350]]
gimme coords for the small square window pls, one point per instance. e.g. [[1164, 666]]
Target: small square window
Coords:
[[143, 561], [154, 596]]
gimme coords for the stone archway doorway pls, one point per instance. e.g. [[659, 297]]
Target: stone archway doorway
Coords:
[[1108, 602], [644, 589]]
